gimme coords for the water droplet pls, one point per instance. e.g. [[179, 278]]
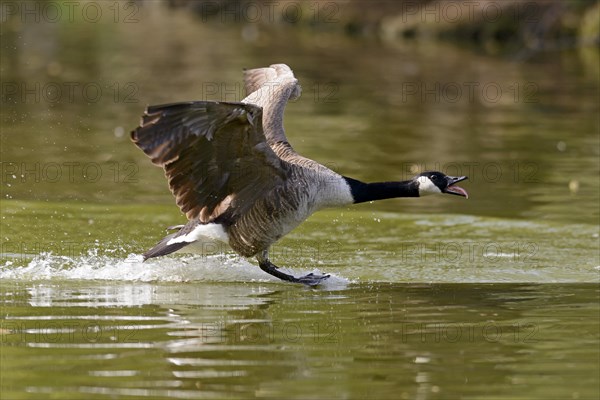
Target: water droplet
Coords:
[[574, 186], [119, 131]]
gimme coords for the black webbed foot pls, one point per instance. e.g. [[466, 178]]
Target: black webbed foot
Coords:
[[309, 280], [312, 279]]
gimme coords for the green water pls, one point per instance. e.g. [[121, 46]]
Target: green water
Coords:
[[238, 340], [440, 297]]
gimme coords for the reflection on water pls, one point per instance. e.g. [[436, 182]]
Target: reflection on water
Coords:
[[231, 340]]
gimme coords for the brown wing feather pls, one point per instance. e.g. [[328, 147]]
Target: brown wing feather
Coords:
[[271, 88], [215, 156], [255, 78]]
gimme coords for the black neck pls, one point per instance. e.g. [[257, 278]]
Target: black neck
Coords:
[[362, 192]]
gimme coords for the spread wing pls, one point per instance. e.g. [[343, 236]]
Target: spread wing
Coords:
[[254, 79], [214, 154], [271, 88]]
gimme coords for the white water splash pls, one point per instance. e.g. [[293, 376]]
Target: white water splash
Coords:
[[192, 268]]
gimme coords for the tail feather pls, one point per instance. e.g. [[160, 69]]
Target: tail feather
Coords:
[[162, 248]]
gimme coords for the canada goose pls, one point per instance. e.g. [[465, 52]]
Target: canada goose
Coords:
[[239, 181]]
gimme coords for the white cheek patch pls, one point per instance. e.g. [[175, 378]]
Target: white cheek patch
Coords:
[[426, 187]]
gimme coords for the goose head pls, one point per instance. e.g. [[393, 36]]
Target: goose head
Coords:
[[434, 182]]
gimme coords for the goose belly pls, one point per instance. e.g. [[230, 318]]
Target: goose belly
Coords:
[[268, 221], [283, 209]]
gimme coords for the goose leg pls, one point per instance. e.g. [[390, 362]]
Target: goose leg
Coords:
[[270, 268]]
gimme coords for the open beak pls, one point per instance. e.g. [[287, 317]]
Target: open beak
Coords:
[[457, 190]]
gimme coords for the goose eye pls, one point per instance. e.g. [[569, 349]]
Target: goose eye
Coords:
[[433, 177]]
